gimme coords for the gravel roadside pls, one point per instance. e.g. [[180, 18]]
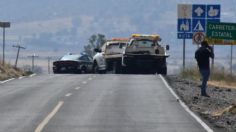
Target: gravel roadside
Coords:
[[219, 110]]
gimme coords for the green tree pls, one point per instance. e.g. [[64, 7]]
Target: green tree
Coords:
[[95, 41]]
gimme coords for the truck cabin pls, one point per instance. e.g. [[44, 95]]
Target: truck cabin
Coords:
[[144, 41], [116, 45]]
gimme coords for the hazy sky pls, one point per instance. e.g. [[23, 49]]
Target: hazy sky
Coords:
[[51, 24]]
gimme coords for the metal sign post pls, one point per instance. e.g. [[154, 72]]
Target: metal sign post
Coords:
[[3, 46], [184, 25], [231, 61], [4, 25], [183, 54]]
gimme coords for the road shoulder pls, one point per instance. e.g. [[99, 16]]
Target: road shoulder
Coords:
[[211, 110], [21, 77]]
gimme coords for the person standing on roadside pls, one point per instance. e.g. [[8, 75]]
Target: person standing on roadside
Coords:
[[202, 56]]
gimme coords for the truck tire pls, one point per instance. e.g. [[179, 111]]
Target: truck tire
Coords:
[[116, 68], [55, 72], [163, 71], [96, 69]]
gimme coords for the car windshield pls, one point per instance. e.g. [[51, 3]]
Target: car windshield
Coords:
[[143, 43], [70, 57]]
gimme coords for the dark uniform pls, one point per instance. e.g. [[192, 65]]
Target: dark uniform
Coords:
[[203, 55]]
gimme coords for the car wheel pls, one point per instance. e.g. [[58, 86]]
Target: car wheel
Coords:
[[163, 71], [55, 71], [83, 69]]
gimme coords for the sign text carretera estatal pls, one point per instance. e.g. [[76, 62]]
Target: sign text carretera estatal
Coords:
[[221, 30]]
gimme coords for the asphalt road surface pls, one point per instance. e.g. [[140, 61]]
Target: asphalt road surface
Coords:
[[92, 103]]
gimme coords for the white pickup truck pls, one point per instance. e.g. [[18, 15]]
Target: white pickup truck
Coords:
[[145, 54], [109, 57]]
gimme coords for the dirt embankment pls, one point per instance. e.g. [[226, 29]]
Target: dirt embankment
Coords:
[[219, 109]]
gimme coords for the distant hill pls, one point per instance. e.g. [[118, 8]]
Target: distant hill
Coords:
[[35, 21], [59, 25]]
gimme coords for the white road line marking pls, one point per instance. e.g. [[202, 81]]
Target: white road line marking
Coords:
[[84, 82], [32, 75], [94, 75], [90, 78], [68, 94], [7, 80], [77, 88], [198, 119], [21, 77], [49, 117]]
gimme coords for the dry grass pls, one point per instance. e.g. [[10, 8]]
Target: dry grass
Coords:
[[222, 84], [218, 77], [7, 71], [191, 73]]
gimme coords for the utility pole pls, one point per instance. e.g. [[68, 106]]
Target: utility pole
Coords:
[[49, 59], [18, 52], [4, 25], [33, 57]]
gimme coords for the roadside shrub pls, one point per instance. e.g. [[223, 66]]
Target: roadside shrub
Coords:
[[222, 75], [7, 71], [217, 74], [190, 73]]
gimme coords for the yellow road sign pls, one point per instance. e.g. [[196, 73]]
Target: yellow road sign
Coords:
[[220, 41]]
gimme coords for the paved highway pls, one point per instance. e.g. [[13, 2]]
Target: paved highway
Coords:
[[92, 103]]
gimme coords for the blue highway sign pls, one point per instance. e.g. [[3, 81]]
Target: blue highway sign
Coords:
[[185, 35], [199, 25], [213, 11], [184, 25], [213, 20], [194, 18], [199, 11]]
